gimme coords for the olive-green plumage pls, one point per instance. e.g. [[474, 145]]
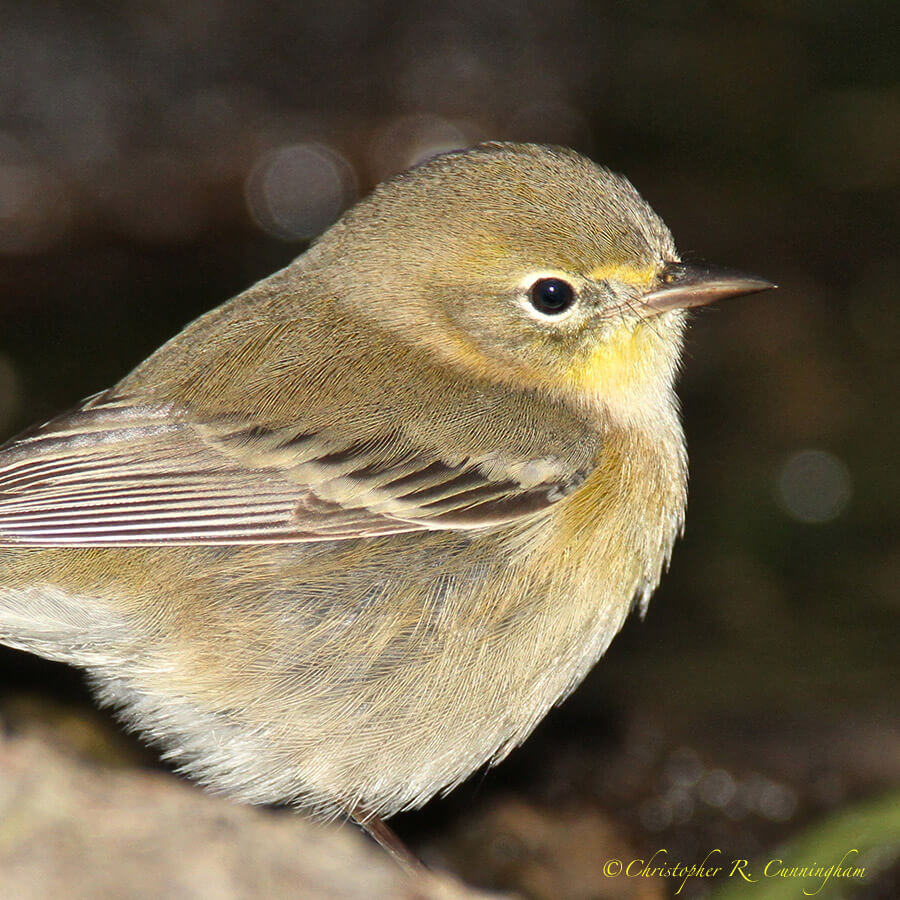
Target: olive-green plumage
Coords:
[[349, 536]]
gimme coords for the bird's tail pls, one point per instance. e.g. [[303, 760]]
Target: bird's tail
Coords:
[[40, 616]]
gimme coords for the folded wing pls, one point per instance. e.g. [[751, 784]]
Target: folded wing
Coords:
[[116, 474]]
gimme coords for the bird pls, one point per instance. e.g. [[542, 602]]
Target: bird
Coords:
[[348, 537]]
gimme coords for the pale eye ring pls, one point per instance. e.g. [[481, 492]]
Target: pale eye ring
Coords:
[[551, 296]]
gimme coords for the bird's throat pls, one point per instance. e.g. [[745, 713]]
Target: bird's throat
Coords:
[[630, 372]]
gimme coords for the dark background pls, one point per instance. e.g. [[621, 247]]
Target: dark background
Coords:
[[158, 157]]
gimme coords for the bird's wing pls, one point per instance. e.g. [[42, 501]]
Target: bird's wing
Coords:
[[116, 474]]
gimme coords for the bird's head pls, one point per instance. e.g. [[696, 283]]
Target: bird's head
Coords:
[[527, 264]]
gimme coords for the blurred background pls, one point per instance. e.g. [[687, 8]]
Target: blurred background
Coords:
[[158, 157]]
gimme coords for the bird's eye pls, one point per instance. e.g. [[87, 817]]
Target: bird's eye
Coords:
[[551, 296]]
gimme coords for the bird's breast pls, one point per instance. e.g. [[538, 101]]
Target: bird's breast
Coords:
[[609, 541]]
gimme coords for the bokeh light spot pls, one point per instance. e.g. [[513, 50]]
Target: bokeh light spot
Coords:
[[777, 802], [296, 191], [717, 788], [409, 140], [814, 486]]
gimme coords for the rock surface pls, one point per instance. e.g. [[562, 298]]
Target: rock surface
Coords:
[[70, 829]]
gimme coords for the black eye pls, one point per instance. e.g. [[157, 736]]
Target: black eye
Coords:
[[551, 296]]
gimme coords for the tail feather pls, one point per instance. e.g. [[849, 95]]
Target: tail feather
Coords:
[[52, 623]]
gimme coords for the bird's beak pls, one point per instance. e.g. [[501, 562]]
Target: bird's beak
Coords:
[[683, 285]]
